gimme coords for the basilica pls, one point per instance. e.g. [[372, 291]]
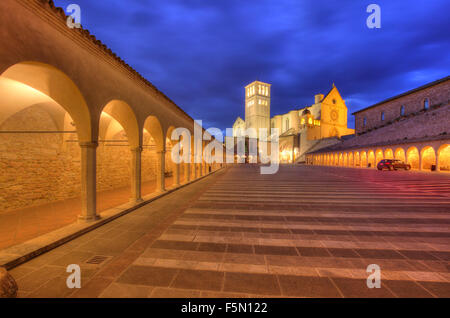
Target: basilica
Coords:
[[320, 125]]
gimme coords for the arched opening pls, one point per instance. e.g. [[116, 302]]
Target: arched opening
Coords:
[[351, 159], [152, 145], [336, 159], [118, 136], [428, 156], [43, 117], [371, 159], [363, 159], [444, 157], [345, 163], [388, 154], [341, 159], [400, 154], [357, 159], [412, 157], [378, 156], [334, 132]]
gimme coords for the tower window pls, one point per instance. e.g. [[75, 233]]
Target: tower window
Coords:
[[382, 116], [402, 110], [426, 103], [287, 124]]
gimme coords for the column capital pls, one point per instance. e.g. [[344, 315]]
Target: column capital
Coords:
[[89, 144]]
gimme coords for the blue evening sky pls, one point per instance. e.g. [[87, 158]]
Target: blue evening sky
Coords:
[[201, 53]]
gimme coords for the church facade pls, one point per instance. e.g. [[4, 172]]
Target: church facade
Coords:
[[303, 130]]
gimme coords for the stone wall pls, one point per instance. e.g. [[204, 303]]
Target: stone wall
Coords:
[[432, 122], [414, 102], [36, 168], [39, 168]]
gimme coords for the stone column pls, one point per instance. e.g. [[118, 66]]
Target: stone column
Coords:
[[160, 170], [438, 166], [136, 178], [88, 182], [195, 167], [187, 172], [176, 174]]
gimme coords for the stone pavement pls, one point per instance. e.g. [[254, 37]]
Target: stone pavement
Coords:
[[307, 231], [24, 224]]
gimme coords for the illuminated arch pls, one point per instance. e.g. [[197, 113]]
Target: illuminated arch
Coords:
[[357, 159], [125, 116], [345, 162], [400, 154], [412, 157], [371, 159], [351, 159], [388, 154], [39, 82], [363, 159], [154, 128], [379, 155], [444, 157], [428, 158]]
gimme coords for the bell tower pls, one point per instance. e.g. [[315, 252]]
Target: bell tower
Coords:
[[257, 106]]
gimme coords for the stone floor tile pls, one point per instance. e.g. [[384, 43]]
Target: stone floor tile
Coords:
[[251, 283], [197, 279], [307, 286]]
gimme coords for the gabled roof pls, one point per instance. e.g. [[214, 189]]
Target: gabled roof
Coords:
[[329, 92], [289, 132]]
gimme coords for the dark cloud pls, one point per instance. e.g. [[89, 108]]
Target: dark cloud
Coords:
[[202, 53]]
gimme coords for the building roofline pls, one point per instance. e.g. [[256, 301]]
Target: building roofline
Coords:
[[259, 83], [379, 144], [405, 94]]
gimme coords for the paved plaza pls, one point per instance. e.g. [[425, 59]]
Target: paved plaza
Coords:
[[307, 231]]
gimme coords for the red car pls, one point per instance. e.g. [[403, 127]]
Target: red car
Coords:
[[393, 164]]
